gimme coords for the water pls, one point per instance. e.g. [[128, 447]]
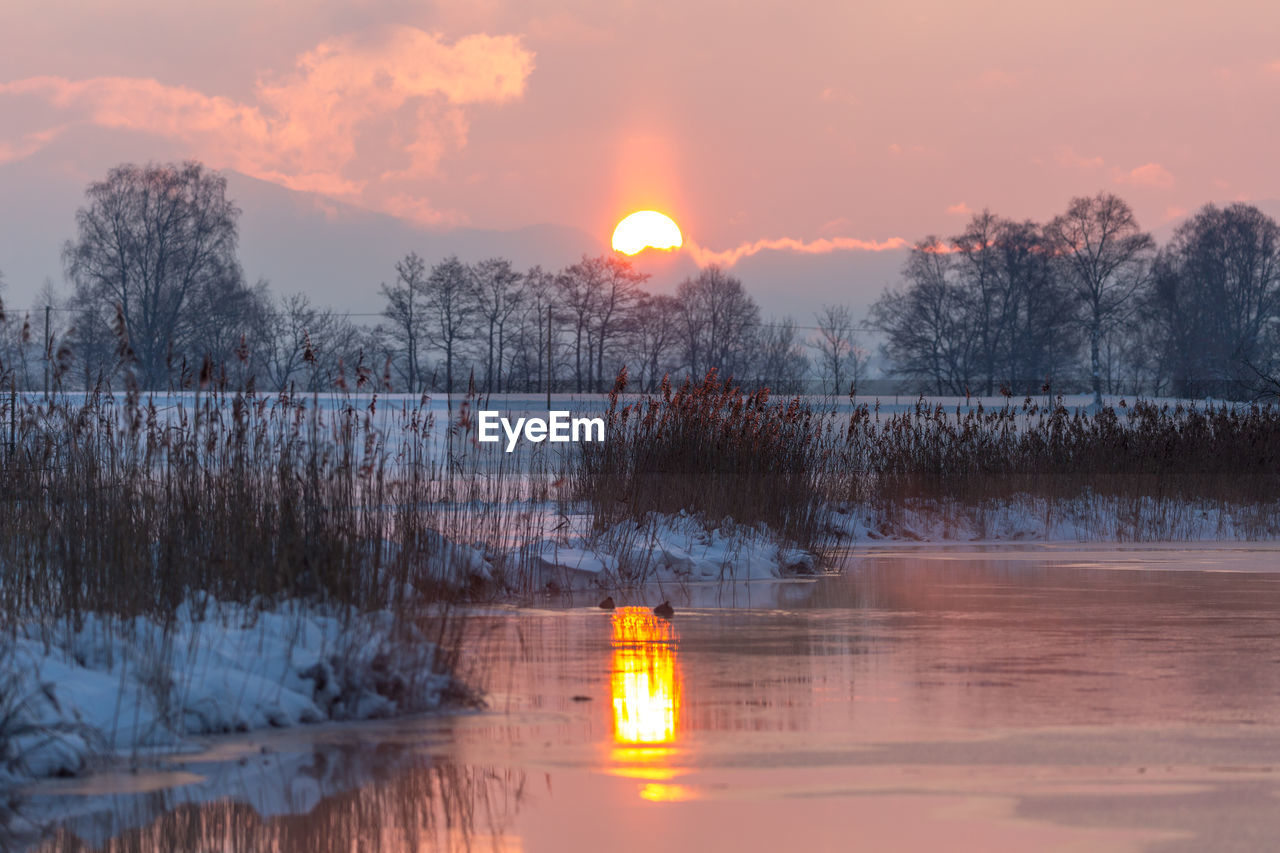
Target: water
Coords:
[[1014, 699]]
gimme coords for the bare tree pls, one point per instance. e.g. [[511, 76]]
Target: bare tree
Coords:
[[927, 339], [451, 309], [1040, 339], [498, 297], [619, 290], [781, 362], [654, 339], [840, 359], [720, 318], [1214, 303], [96, 339], [407, 311], [157, 241], [1105, 257], [306, 343], [580, 286], [529, 350], [991, 298]]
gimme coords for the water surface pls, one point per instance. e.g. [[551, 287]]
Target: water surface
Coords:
[[999, 699]]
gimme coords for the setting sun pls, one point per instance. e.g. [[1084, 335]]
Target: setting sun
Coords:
[[646, 229]]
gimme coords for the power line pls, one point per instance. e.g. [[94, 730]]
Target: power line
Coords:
[[857, 327]]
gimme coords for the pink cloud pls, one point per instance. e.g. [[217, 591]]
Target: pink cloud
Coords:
[[1067, 156], [960, 209], [1147, 175], [728, 257], [353, 115]]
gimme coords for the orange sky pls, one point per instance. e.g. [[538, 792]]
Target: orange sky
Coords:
[[861, 124]]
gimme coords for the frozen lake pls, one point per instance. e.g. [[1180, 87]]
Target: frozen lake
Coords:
[[1008, 698]]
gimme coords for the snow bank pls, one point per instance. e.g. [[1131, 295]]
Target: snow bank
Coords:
[[1088, 518], [126, 688], [663, 549]]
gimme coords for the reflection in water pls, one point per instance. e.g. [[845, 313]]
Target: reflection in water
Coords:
[[646, 683], [1004, 700], [428, 805]]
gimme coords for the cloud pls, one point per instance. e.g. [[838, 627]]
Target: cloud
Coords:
[[1067, 156], [28, 144], [1147, 175], [835, 226], [960, 209], [353, 115], [705, 257], [898, 150]]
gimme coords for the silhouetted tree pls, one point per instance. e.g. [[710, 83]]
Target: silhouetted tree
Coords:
[[654, 338], [1214, 303], [580, 287], [1104, 256], [498, 296], [159, 242], [928, 341], [781, 364], [719, 319], [840, 360], [407, 312], [451, 307], [619, 290]]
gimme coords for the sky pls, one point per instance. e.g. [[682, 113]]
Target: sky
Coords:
[[762, 128]]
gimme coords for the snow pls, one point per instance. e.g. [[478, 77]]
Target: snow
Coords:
[[664, 549], [126, 688], [1087, 518]]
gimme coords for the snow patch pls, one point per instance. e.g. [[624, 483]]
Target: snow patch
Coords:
[[665, 549], [112, 687]]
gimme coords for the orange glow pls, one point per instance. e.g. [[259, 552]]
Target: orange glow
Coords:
[[646, 229], [646, 686]]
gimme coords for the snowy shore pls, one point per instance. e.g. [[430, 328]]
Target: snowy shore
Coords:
[[113, 689], [76, 697]]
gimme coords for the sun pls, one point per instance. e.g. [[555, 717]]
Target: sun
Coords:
[[646, 229]]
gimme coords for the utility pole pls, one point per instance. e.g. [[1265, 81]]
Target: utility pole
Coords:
[[48, 349], [548, 358]]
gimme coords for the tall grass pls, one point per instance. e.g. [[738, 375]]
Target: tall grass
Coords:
[[127, 506], [120, 506], [1177, 451], [710, 448]]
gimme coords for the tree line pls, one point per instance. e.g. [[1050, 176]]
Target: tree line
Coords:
[[158, 294], [1089, 301], [1086, 301]]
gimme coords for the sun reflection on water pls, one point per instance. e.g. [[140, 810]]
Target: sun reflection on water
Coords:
[[646, 682]]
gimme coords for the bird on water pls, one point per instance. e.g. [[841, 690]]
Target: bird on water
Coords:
[[665, 610]]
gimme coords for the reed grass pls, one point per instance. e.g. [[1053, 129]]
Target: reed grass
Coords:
[[712, 449], [1161, 451]]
